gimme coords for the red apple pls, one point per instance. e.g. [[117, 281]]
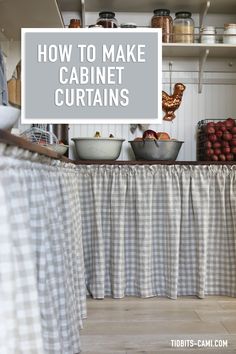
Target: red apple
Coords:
[[210, 124], [233, 150], [223, 128], [219, 125], [210, 130], [208, 144], [229, 123], [209, 152], [212, 137], [216, 145], [149, 134], [229, 157], [226, 150], [225, 144], [233, 142], [162, 136], [227, 136], [233, 120], [217, 151], [233, 130], [222, 157], [219, 133], [214, 158]]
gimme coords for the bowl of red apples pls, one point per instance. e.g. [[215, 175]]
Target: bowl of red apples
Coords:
[[155, 146], [217, 140]]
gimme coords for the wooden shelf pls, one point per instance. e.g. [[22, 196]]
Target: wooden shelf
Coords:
[[10, 139], [197, 49], [195, 6]]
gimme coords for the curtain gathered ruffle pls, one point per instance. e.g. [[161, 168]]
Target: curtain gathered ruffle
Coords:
[[163, 230], [41, 259]]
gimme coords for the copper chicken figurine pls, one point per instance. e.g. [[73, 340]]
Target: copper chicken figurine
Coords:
[[171, 103]]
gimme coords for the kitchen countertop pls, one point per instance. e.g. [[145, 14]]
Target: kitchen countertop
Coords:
[[10, 139]]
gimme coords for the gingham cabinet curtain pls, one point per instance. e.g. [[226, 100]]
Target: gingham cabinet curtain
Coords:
[[159, 230], [42, 287]]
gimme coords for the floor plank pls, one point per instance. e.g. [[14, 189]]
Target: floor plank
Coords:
[[147, 326]]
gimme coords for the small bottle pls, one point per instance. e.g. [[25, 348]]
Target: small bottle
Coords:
[[74, 23], [162, 19], [183, 28], [107, 19], [230, 33], [208, 35]]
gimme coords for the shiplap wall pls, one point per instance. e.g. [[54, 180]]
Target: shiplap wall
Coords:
[[216, 101]]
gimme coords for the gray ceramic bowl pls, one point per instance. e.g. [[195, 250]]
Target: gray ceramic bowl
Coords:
[[156, 149]]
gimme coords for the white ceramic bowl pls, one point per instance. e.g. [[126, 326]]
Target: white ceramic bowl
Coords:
[[98, 148], [8, 116]]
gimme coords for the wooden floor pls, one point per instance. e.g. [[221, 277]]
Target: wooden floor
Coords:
[[147, 326]]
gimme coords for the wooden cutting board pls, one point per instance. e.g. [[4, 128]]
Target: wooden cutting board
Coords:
[[14, 88]]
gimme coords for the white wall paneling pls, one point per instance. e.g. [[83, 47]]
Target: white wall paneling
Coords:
[[216, 101]]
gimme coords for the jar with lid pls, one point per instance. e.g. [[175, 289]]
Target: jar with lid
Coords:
[[162, 19], [183, 27], [74, 23], [230, 33], [107, 19], [208, 34]]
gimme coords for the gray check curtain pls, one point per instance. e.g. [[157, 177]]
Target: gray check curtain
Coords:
[[42, 285], [159, 230]]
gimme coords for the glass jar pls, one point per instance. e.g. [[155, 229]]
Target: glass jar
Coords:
[[74, 23], [162, 19], [107, 19], [230, 33], [183, 28], [208, 34]]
